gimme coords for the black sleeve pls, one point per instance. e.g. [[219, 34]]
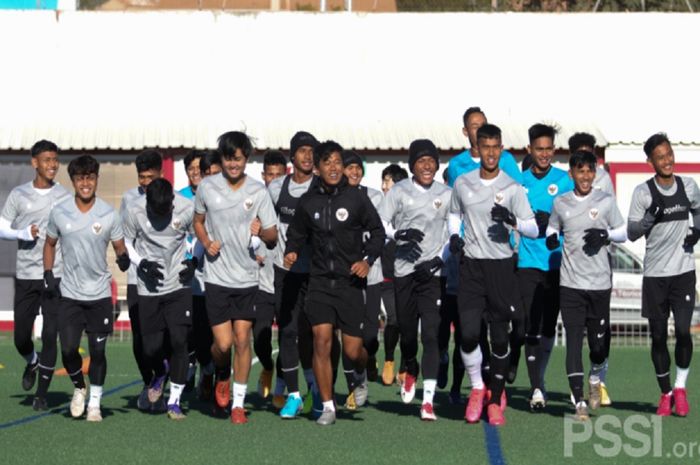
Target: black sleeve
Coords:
[[372, 224], [299, 228]]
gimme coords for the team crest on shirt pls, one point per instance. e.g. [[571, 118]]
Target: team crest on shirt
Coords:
[[500, 197], [341, 214], [96, 228], [552, 189], [247, 204], [593, 213], [437, 203], [177, 224]]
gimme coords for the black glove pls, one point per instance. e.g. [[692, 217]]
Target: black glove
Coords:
[[552, 241], [187, 273], [413, 235], [123, 262], [691, 239], [542, 219], [151, 270], [409, 251], [51, 285], [651, 215], [501, 214], [424, 271], [595, 238], [456, 244]]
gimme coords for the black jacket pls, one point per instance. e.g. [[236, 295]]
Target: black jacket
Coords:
[[335, 218]]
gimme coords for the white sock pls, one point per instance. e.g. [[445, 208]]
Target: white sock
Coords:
[[546, 345], [31, 358], [175, 393], [328, 406], [95, 396], [239, 391], [472, 363], [681, 377], [295, 394], [429, 390], [594, 375], [279, 386], [309, 377]]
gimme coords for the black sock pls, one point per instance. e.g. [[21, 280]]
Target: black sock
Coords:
[[45, 375]]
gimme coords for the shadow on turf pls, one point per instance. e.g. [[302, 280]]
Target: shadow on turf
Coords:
[[53, 399]]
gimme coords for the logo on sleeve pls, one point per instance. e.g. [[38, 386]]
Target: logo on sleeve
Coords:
[[437, 203], [500, 197], [317, 216], [552, 189], [593, 213], [341, 214], [247, 204], [96, 228]]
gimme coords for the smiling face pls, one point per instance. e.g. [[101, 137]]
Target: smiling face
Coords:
[[233, 167], [662, 160], [583, 176], [490, 153], [542, 151], [194, 177], [424, 170], [46, 165], [85, 186], [331, 169], [304, 159], [354, 174]]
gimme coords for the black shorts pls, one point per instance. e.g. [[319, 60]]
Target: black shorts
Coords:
[[659, 295], [488, 286], [94, 316], [160, 312], [539, 290], [264, 307], [579, 306], [342, 305], [230, 304], [30, 297], [414, 299]]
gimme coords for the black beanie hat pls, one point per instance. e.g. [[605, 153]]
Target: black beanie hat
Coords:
[[351, 157], [301, 139], [422, 148]]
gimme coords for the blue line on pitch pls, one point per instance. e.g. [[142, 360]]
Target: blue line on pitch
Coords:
[[60, 409], [493, 444]]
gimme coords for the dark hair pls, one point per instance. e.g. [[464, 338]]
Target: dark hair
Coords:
[[159, 196], [526, 163], [149, 159], [210, 157], [43, 146], [581, 159], [581, 139], [324, 150], [541, 130], [274, 157], [191, 156], [83, 165], [230, 142], [396, 172], [488, 131], [654, 141], [470, 111]]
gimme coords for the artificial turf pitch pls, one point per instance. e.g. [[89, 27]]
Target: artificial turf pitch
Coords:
[[384, 432]]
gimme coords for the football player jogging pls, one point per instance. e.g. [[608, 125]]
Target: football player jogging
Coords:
[[334, 217], [415, 214], [538, 267], [587, 219], [660, 211], [159, 225], [24, 218], [489, 204], [229, 202], [85, 225]]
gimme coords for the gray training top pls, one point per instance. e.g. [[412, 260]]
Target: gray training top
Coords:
[[602, 181], [473, 198], [165, 244], [84, 238], [25, 207], [408, 206], [572, 215], [229, 214], [128, 198], [375, 275], [664, 245]]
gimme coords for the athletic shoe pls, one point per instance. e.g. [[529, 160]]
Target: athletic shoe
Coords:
[[159, 406], [495, 415], [326, 418], [39, 404], [400, 378], [456, 398], [94, 414], [142, 402], [361, 392], [175, 412], [594, 395], [292, 407], [29, 375], [605, 400], [155, 390], [582, 411], [222, 393], [408, 388], [238, 416], [537, 401], [665, 403], [427, 413], [206, 383], [265, 383], [680, 400], [350, 403], [475, 406], [443, 368], [77, 403], [388, 373], [278, 401], [504, 398], [372, 371]]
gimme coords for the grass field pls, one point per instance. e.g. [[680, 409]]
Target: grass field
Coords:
[[385, 432]]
